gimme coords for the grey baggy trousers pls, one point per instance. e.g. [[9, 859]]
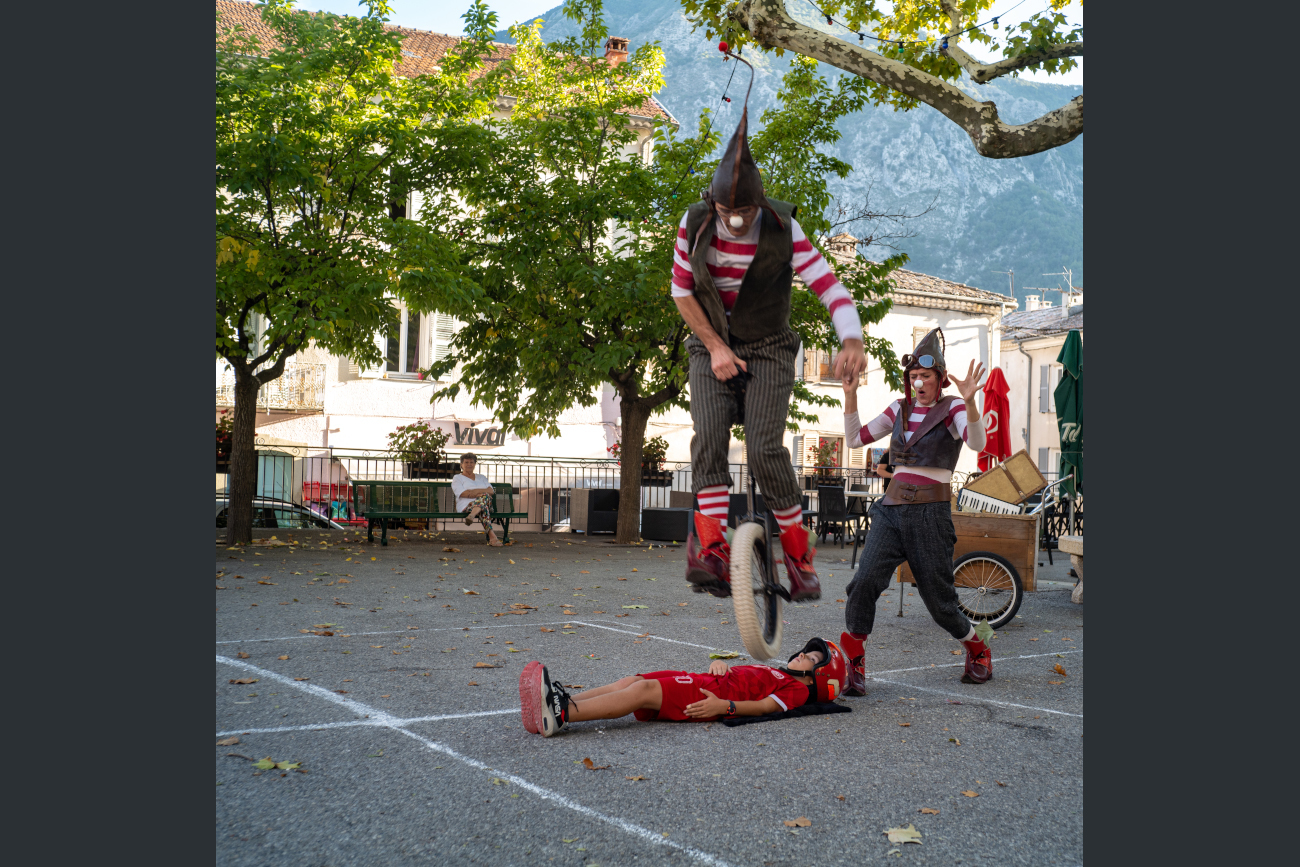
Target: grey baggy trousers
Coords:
[[762, 409], [922, 535]]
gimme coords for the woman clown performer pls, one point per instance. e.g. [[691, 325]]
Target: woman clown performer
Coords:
[[913, 521]]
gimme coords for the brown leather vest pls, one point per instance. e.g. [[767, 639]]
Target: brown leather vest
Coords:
[[763, 306], [931, 445]]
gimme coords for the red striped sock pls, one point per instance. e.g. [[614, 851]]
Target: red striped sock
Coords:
[[714, 502], [791, 517]]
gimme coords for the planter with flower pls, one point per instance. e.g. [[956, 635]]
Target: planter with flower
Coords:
[[827, 459], [224, 426], [653, 453], [420, 448]]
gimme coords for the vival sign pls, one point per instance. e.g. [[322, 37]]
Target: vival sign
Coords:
[[471, 436]]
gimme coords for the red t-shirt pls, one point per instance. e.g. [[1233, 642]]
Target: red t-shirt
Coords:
[[757, 682]]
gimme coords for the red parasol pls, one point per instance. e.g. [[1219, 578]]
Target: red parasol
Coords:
[[997, 412]]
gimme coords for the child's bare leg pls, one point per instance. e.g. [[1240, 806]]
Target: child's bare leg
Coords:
[[622, 683], [612, 705]]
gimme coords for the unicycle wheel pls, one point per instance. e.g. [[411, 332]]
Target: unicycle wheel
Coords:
[[753, 592]]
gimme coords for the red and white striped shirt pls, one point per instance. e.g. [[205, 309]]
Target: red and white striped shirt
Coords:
[[729, 257], [971, 433]]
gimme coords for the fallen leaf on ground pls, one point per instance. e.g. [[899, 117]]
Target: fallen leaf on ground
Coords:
[[1059, 670], [302, 678], [801, 822], [904, 725], [634, 606], [452, 550], [469, 592], [264, 765], [1056, 682], [932, 812], [282, 657], [956, 653], [219, 587], [592, 766], [245, 680], [904, 835], [242, 655], [584, 572], [341, 691], [471, 683], [1033, 639], [955, 741], [621, 615], [547, 629], [520, 606], [634, 778], [971, 794], [227, 742], [344, 581], [1000, 783], [841, 797], [485, 665], [264, 581]]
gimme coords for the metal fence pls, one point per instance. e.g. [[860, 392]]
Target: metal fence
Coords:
[[321, 479]]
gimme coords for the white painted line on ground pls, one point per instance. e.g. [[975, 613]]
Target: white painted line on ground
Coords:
[[366, 722], [960, 664], [638, 635], [407, 631], [622, 824], [319, 691], [378, 717], [973, 699]]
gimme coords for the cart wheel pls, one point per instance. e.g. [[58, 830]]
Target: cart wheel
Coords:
[[988, 587], [753, 592]]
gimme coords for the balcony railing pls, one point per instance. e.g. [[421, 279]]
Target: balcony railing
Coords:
[[300, 388]]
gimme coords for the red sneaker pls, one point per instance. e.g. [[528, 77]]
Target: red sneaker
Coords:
[[804, 585], [979, 662], [856, 680], [709, 569]]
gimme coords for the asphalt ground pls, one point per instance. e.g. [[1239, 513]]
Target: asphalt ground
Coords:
[[413, 755]]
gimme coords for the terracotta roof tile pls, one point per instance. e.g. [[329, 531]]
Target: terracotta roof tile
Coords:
[[421, 49], [843, 247]]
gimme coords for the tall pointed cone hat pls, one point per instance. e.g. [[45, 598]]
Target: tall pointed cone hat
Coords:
[[736, 182]]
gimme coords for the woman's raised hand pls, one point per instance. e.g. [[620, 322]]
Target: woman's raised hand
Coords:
[[971, 383]]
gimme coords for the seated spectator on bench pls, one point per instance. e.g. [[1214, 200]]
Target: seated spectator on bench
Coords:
[[474, 496]]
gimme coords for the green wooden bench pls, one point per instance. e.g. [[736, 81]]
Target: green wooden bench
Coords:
[[381, 500]]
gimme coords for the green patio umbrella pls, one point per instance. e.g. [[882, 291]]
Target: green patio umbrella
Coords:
[[1069, 408]]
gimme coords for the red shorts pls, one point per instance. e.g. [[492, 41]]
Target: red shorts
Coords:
[[680, 688]]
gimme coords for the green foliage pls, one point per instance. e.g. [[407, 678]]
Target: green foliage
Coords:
[[316, 139], [565, 241], [418, 442], [920, 26], [570, 236]]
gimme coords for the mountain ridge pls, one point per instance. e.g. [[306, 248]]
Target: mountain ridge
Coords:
[[990, 216]]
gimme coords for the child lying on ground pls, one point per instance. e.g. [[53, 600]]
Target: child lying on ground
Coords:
[[815, 674]]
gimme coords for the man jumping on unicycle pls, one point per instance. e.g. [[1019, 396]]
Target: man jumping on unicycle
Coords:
[[733, 269]]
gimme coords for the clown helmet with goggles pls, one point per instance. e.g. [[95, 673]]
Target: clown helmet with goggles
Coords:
[[830, 674]]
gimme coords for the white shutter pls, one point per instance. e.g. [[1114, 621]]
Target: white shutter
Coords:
[[377, 371], [1044, 394], [856, 457], [796, 451], [442, 328], [810, 449]]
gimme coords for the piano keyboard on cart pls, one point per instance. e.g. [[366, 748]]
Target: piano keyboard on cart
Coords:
[[969, 501]]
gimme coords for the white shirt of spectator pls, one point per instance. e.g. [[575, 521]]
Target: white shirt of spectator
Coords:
[[460, 484]]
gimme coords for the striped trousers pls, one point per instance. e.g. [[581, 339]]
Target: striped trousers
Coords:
[[761, 406]]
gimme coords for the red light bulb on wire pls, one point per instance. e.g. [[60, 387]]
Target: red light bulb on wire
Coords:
[[722, 46]]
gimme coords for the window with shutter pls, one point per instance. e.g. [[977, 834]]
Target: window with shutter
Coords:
[[796, 451], [918, 332], [1044, 393], [856, 458], [1051, 390], [1044, 460]]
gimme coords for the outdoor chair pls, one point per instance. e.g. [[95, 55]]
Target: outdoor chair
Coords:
[[833, 515], [809, 515]]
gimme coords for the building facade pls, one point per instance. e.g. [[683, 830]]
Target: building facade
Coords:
[[1031, 340]]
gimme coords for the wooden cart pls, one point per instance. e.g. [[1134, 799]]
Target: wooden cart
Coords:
[[995, 561]]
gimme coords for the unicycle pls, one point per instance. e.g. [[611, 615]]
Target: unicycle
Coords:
[[756, 592]]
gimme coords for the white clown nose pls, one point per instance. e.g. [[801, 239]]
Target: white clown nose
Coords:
[[737, 221]]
